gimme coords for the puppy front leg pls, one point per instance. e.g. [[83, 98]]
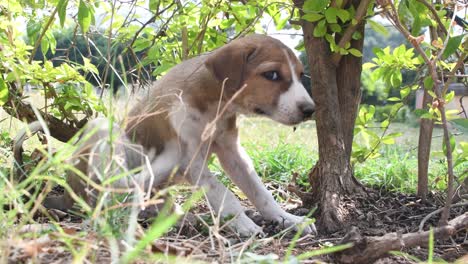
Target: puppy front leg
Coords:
[[238, 165], [221, 199]]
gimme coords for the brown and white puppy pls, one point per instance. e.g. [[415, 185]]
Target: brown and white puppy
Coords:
[[170, 121]]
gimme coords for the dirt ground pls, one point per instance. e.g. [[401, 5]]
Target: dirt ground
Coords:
[[380, 213]]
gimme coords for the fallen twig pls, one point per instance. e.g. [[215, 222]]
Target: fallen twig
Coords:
[[369, 249], [421, 225]]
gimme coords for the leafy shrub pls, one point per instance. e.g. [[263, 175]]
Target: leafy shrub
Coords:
[[404, 115]]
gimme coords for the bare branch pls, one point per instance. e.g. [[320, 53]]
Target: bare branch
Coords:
[[369, 249], [151, 20], [44, 30], [348, 34], [434, 14]]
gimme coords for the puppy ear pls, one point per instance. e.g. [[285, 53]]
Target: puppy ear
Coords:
[[230, 62]]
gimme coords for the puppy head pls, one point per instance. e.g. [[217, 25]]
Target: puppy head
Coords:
[[272, 74]]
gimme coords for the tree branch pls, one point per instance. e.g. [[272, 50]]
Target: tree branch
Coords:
[[392, 15], [434, 14], [58, 128], [151, 20], [369, 249], [39, 39], [348, 34]]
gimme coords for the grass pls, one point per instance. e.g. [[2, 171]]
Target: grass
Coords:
[[277, 152]]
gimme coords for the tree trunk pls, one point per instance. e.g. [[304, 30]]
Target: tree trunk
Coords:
[[425, 135], [349, 90], [337, 95], [424, 149], [59, 129]]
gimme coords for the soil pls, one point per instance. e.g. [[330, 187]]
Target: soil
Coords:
[[380, 213]]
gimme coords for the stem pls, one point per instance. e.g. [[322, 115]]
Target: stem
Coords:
[[424, 149], [109, 40], [392, 14], [434, 14], [348, 34], [151, 20], [38, 41], [184, 36], [451, 178]]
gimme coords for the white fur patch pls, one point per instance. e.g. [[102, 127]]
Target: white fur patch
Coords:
[[288, 111], [163, 166]]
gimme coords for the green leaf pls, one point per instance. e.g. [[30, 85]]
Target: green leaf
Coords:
[[377, 27], [420, 112], [405, 92], [452, 143], [335, 27], [355, 52], [32, 29], [396, 78], [153, 4], [281, 23], [84, 16], [343, 15], [331, 40], [388, 140], [315, 5], [88, 66], [464, 144], [312, 17], [52, 41], [385, 123], [62, 11], [395, 134], [320, 29], [165, 66], [461, 123], [404, 13], [452, 45], [357, 35], [394, 99], [419, 12], [395, 108], [431, 93], [449, 96], [300, 46], [368, 65], [428, 83], [3, 92], [45, 45], [330, 15]]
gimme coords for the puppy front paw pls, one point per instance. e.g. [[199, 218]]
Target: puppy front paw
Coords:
[[245, 227], [287, 220]]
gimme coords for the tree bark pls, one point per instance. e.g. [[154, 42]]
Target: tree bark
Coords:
[[58, 128], [336, 94], [349, 90], [424, 149], [425, 135]]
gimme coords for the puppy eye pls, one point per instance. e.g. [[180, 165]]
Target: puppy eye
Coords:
[[271, 75]]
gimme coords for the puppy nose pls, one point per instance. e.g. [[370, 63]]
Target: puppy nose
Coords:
[[307, 109]]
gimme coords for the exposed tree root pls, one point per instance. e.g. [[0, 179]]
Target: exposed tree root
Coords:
[[369, 249], [328, 192]]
